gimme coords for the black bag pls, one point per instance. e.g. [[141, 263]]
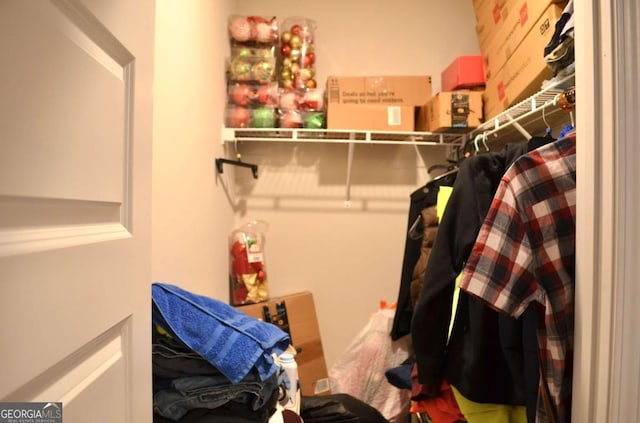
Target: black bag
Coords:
[[338, 408]]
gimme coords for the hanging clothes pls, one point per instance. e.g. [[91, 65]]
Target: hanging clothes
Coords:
[[525, 253], [421, 199], [429, 231], [443, 408], [475, 412], [473, 359]]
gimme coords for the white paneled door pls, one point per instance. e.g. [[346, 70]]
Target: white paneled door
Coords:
[[75, 151]]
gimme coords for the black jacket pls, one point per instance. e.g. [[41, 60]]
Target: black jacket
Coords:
[[420, 199], [474, 358]]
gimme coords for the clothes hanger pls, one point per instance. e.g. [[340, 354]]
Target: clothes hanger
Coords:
[[536, 142], [547, 131], [415, 230], [441, 166], [480, 137], [444, 175]]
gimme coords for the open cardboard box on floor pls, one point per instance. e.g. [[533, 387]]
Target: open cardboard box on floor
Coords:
[[302, 324]]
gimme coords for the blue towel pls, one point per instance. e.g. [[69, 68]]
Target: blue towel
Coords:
[[229, 339]]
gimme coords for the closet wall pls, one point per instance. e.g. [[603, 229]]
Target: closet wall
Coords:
[[190, 213], [349, 258]]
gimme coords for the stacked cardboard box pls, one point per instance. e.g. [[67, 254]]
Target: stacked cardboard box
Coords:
[[465, 72], [512, 35], [524, 72], [384, 103], [451, 111]]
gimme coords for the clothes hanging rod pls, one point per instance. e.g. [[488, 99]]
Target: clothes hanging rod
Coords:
[[553, 95], [535, 109]]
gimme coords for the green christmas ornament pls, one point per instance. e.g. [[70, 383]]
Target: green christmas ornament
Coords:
[[315, 121], [263, 117]]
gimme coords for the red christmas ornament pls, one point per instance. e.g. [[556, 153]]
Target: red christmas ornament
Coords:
[[313, 100], [238, 249], [241, 266], [239, 117], [268, 94], [311, 57], [240, 292], [296, 29], [291, 119], [241, 94], [286, 49]]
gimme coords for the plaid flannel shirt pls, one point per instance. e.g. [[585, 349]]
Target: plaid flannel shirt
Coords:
[[525, 252]]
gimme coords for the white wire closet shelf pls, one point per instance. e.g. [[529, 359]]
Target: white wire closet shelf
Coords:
[[533, 115], [530, 116], [346, 136]]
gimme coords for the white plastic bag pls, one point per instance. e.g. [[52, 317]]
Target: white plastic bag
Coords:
[[360, 370]]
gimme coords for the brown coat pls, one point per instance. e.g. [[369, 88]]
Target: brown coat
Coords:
[[429, 231]]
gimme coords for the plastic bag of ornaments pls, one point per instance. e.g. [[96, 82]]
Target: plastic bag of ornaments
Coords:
[[252, 64], [247, 269], [299, 119], [248, 94], [251, 105], [310, 100], [250, 117], [301, 108], [252, 30], [297, 52]]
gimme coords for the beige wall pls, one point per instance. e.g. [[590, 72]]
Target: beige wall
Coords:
[[190, 215], [349, 258]]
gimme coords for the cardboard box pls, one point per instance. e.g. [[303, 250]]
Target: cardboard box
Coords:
[[451, 111], [302, 324], [370, 118], [504, 17], [490, 14], [512, 33], [379, 90], [522, 75], [464, 72], [480, 4]]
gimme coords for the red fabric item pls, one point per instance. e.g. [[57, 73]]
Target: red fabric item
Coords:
[[440, 409]]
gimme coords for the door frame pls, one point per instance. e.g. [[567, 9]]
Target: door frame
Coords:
[[607, 346]]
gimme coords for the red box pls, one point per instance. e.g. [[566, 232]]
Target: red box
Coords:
[[466, 72]]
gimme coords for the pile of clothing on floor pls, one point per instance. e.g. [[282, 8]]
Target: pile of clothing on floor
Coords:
[[212, 362]]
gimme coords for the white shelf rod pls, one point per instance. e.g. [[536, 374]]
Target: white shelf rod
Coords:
[[347, 199]]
